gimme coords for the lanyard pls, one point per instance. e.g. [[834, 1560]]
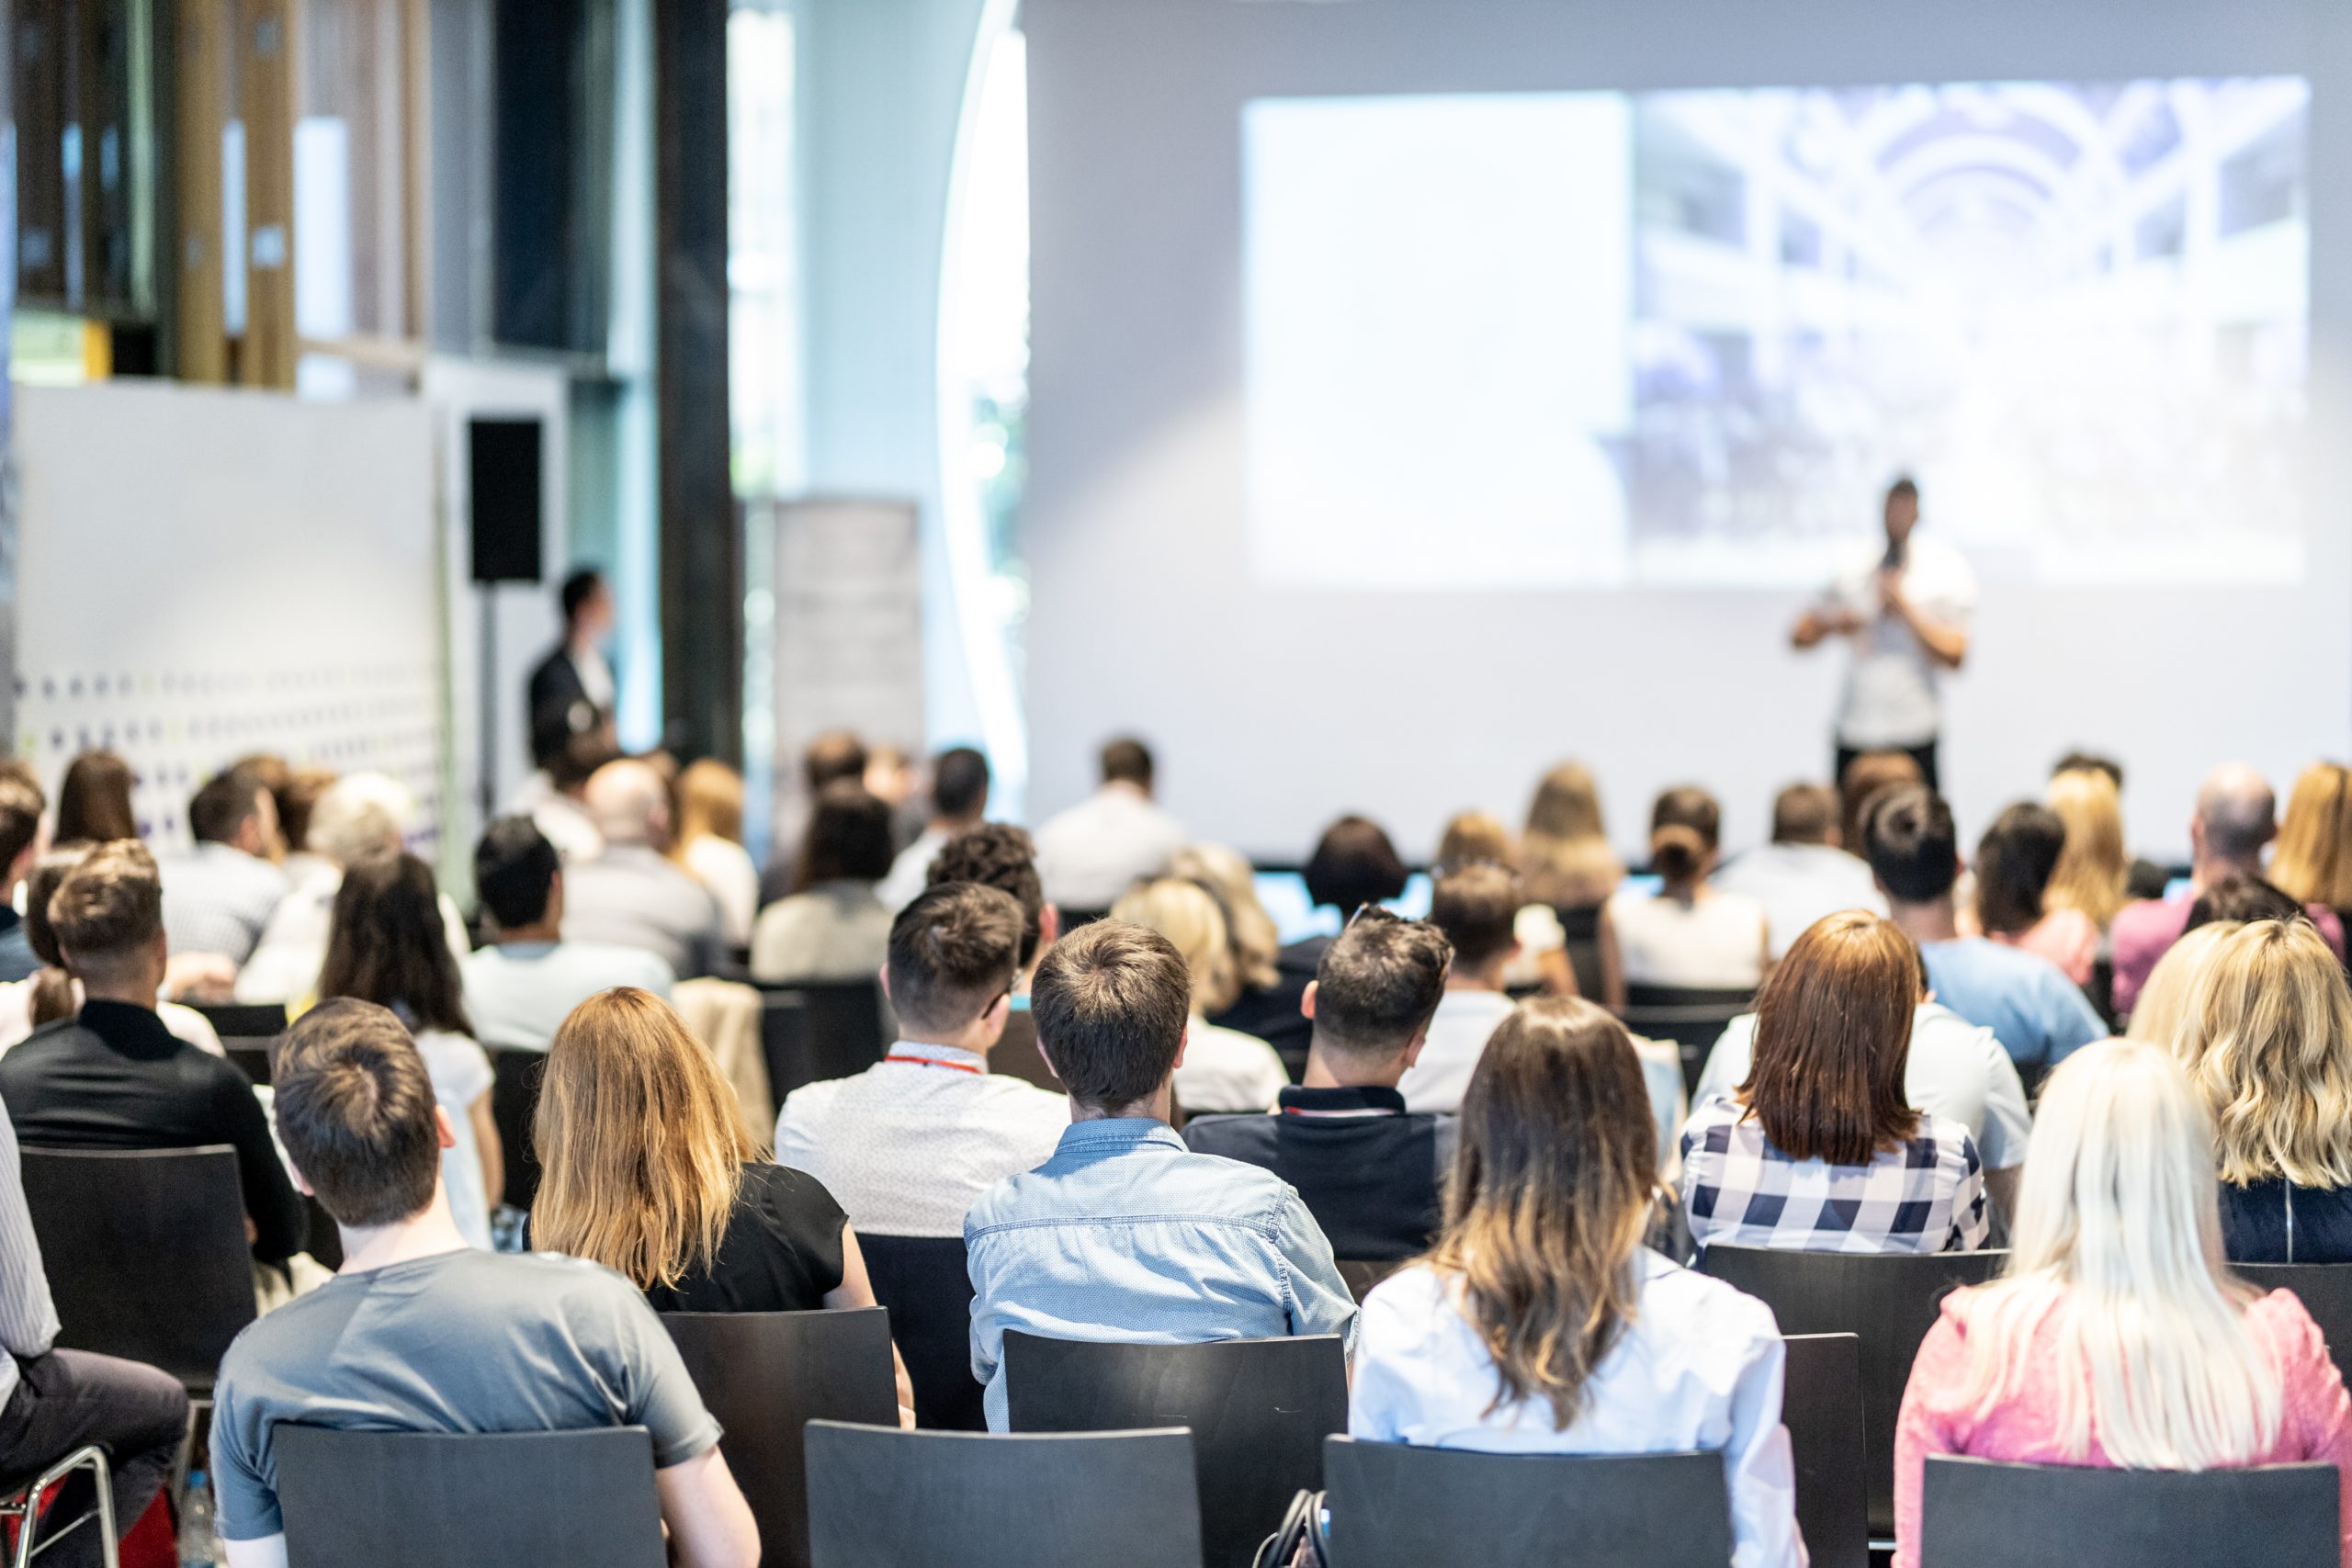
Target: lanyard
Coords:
[[927, 1062]]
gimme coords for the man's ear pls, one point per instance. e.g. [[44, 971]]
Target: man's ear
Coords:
[[883, 974], [1307, 999], [1052, 1071], [442, 1128], [1049, 929], [1413, 1047]]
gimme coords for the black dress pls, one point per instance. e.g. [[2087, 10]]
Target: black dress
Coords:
[[2276, 1222], [782, 1251]]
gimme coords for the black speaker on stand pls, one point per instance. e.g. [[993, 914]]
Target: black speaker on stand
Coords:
[[505, 465]]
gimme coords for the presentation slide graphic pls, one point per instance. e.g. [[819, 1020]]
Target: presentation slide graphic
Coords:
[[1598, 339]]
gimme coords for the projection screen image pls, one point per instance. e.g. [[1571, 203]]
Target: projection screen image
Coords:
[[1593, 340]]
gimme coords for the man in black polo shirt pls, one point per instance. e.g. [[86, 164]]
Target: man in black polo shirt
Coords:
[[1369, 1169], [115, 1078]]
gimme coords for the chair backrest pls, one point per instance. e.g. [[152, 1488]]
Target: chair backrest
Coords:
[[515, 1078], [1694, 1016], [1396, 1506], [924, 1282], [145, 1251], [1888, 1300], [248, 1033], [1975, 1511], [1581, 939], [2325, 1290], [1820, 1405], [1016, 1055], [458, 1500], [882, 1498], [1259, 1409], [825, 1030], [765, 1375]]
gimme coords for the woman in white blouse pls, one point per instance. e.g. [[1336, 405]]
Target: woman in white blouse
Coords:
[[1689, 934], [1540, 1324]]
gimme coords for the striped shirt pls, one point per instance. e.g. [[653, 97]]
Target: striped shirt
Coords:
[[1926, 1194], [27, 1316]]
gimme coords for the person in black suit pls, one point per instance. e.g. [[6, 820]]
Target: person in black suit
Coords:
[[572, 686]]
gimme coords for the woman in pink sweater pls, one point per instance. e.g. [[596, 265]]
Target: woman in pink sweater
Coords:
[[2117, 1337]]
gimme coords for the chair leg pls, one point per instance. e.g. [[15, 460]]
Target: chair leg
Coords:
[[94, 1460]]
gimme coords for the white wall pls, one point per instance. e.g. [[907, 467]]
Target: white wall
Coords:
[[1276, 709], [209, 573]]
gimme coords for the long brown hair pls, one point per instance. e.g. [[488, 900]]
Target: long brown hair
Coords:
[[642, 1142], [1550, 1198], [1833, 1042], [1564, 850], [386, 944], [94, 801]]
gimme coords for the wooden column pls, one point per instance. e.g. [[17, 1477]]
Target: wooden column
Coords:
[[200, 66], [267, 57], [702, 559]]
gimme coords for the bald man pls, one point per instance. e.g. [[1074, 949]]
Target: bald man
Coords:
[[632, 894], [2237, 816]]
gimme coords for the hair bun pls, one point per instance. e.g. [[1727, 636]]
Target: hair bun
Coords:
[[1677, 853]]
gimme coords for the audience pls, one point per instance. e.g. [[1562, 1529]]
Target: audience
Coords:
[[2142, 878], [2117, 1337], [1093, 853], [420, 1332], [1476, 908], [114, 1077], [2312, 861], [50, 993], [834, 755], [1563, 850], [999, 855], [557, 800], [94, 801], [1369, 1169], [1125, 1233], [833, 927], [1805, 873], [1820, 1150], [1689, 934], [632, 895], [2266, 1038], [1265, 1003], [272, 772], [54, 1401], [1870, 775], [524, 983], [2027, 1001], [1353, 864], [298, 802], [1541, 1323], [2093, 872], [909, 1144], [2234, 821], [2016, 861], [1542, 961], [960, 801], [219, 896], [20, 813], [2240, 898], [386, 946], [1222, 1069], [710, 844]]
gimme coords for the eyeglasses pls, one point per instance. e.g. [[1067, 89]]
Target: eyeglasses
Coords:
[[1374, 911]]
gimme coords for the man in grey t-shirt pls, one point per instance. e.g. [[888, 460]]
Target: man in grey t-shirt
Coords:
[[418, 1332]]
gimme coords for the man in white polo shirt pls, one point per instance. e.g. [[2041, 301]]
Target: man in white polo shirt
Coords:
[[528, 979], [1904, 608]]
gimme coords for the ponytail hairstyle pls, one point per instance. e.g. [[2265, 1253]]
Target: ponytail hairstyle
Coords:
[[1686, 827]]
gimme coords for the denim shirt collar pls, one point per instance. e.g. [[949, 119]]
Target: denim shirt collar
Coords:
[[1112, 1135]]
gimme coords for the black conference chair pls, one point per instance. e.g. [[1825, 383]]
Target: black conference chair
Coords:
[[2325, 1290], [1888, 1300], [1397, 1506], [146, 1253], [826, 1030], [1694, 1016], [248, 1033], [1974, 1512], [1259, 1409], [882, 1498], [924, 1283], [765, 1375], [1580, 926], [461, 1500], [516, 1077], [1361, 1274], [1821, 1407]]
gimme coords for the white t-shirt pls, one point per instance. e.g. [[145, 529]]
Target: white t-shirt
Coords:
[[1095, 851], [1890, 699], [725, 867], [1227, 1070], [1715, 942], [519, 993], [1799, 883], [1458, 1034]]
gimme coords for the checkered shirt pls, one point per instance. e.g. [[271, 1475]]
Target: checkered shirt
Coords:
[[1926, 1196]]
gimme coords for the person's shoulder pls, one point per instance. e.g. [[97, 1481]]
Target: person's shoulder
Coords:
[[1242, 1190], [2280, 1319], [785, 1190], [1954, 1143], [1412, 1295], [1003, 1093], [1232, 1134]]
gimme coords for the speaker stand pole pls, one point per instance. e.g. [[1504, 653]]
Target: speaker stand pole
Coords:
[[486, 767]]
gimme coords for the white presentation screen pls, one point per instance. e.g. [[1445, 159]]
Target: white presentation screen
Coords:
[[1590, 340]]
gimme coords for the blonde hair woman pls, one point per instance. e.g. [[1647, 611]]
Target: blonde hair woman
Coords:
[[1222, 1069], [1540, 1324], [2312, 860], [709, 843], [2163, 1008], [1564, 852], [2093, 866], [2266, 1035], [2118, 1338]]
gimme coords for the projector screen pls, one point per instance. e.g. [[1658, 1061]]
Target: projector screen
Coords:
[[1424, 391], [1583, 340]]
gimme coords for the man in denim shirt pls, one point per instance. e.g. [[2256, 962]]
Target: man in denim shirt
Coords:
[[1126, 1235]]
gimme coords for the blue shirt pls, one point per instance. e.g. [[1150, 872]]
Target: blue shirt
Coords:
[[1126, 1236], [2039, 1017]]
